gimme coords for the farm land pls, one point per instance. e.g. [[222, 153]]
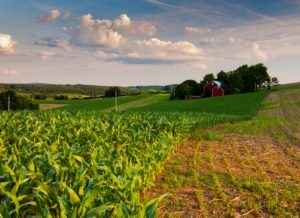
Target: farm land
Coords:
[[232, 156]]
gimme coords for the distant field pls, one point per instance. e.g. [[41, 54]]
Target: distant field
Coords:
[[242, 105], [92, 105]]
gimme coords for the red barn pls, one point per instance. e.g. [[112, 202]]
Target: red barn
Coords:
[[213, 89]]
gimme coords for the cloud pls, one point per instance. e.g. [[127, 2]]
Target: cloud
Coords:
[[124, 39], [45, 55], [123, 21], [155, 51], [142, 28], [259, 53], [196, 30], [50, 16], [8, 72], [99, 32], [7, 45], [263, 40], [110, 33], [54, 43], [166, 49]]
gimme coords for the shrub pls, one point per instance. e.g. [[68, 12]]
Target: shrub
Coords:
[[61, 97], [40, 97]]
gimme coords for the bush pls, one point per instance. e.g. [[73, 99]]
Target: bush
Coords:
[[15, 102], [40, 97], [134, 91], [61, 97]]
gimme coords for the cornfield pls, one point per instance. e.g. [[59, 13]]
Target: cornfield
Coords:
[[86, 164]]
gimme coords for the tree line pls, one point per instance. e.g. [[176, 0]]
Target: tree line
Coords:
[[9, 100], [242, 80]]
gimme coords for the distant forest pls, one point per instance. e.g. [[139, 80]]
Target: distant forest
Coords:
[[52, 90]]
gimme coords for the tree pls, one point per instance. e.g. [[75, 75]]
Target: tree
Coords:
[[236, 82], [222, 76], [182, 91], [113, 91], [261, 75], [61, 97], [9, 100], [275, 81], [209, 77], [187, 88], [194, 86], [40, 97]]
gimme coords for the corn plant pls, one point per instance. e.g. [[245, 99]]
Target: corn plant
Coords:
[[86, 164]]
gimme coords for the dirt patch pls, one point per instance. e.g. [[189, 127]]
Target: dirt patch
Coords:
[[239, 176], [45, 107]]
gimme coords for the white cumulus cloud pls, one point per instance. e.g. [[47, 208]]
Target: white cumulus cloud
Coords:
[[128, 40], [123, 21], [161, 51], [110, 33], [168, 47], [98, 33], [50, 16], [7, 45], [142, 28]]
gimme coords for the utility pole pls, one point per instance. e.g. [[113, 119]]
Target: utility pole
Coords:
[[116, 100], [8, 102]]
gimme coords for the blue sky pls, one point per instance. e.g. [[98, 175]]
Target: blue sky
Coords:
[[142, 42]]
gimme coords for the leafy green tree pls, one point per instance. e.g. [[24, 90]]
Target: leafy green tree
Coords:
[[209, 77], [113, 91], [187, 88], [261, 74], [10, 100], [182, 91], [61, 97], [236, 82], [222, 76]]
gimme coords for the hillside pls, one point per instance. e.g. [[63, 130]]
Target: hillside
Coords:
[[242, 169], [78, 89]]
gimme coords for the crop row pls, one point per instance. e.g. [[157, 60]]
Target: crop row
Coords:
[[84, 164]]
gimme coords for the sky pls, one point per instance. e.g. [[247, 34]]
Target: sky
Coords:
[[145, 42]]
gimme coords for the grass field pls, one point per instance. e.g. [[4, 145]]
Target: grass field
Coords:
[[245, 169], [83, 160], [91, 105], [238, 105], [241, 105]]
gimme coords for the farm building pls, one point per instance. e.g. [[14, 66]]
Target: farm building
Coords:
[[213, 89]]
